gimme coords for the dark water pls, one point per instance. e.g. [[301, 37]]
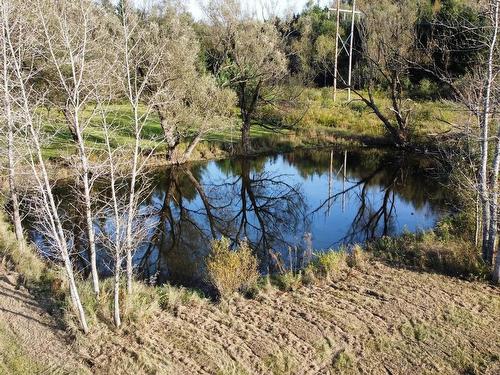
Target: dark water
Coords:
[[288, 201]]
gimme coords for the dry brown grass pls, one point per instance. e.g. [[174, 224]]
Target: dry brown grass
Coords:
[[381, 320]]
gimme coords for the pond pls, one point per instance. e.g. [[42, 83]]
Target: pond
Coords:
[[288, 203]]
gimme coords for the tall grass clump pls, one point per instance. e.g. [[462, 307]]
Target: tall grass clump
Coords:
[[330, 264], [357, 257], [172, 298], [136, 308], [19, 257], [431, 252], [289, 281], [230, 271]]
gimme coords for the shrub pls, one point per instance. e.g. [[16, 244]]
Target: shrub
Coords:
[[230, 271], [357, 257], [330, 264], [289, 281]]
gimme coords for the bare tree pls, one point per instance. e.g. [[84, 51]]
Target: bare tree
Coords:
[[26, 101], [10, 24], [388, 33], [115, 211], [491, 100], [75, 41], [478, 91], [138, 62]]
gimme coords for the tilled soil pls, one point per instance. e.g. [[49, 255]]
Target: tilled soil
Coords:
[[383, 320]]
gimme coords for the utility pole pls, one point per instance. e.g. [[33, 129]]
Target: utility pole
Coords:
[[349, 80], [337, 20], [350, 39]]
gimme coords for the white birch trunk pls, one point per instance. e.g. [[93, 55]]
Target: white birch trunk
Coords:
[[496, 163], [9, 120], [133, 97], [88, 206], [58, 232], [118, 233], [490, 205]]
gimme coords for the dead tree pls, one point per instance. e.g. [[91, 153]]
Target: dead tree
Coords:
[[134, 77]]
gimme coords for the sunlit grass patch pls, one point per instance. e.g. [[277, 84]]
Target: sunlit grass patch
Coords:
[[342, 361], [357, 257], [281, 363], [135, 308], [13, 359], [171, 298]]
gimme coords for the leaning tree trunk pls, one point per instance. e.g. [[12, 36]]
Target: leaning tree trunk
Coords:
[[192, 145], [172, 139], [57, 229]]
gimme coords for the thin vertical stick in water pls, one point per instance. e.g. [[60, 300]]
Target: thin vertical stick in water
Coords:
[[343, 181]]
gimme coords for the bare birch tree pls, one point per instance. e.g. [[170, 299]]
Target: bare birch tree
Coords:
[[75, 41], [479, 93], [25, 103], [490, 102], [10, 25], [138, 62]]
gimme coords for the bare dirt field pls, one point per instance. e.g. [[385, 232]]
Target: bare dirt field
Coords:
[[380, 321]]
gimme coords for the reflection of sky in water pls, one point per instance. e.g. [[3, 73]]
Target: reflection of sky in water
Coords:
[[291, 193], [330, 225]]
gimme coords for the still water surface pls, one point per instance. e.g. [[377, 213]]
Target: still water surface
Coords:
[[318, 198]]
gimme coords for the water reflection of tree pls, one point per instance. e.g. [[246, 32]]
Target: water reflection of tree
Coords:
[[265, 209], [249, 203], [397, 177]]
